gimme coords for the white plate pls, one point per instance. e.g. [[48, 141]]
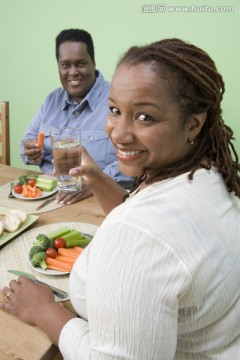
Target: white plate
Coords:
[[44, 194], [48, 271], [45, 229]]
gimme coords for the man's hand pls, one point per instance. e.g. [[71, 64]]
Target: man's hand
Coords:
[[74, 196], [32, 151]]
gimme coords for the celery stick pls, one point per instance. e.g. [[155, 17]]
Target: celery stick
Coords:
[[73, 234], [46, 184], [46, 180], [58, 233], [45, 187], [75, 238], [77, 242]]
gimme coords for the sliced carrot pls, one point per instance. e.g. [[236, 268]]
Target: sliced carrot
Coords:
[[38, 192], [25, 190], [55, 267], [33, 189], [59, 264], [68, 252], [78, 248], [65, 259], [30, 191], [41, 140]]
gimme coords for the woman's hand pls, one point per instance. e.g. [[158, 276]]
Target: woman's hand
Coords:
[[89, 170], [106, 190], [35, 305], [96, 181], [27, 300]]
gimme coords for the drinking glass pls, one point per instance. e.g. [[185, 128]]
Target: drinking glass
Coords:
[[66, 149]]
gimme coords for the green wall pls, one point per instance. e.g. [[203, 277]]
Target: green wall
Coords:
[[28, 70]]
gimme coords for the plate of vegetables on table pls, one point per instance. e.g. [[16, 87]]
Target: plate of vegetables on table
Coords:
[[55, 252], [34, 187]]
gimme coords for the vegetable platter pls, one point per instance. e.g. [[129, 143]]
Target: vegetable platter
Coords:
[[34, 187], [55, 252]]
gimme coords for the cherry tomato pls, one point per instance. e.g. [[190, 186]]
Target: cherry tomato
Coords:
[[52, 253], [32, 182], [59, 243], [18, 189]]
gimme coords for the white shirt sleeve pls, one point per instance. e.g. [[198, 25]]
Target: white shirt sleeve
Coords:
[[74, 341]]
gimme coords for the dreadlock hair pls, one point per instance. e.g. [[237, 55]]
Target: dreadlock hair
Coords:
[[195, 84]]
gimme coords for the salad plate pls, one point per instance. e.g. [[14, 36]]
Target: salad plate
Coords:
[[44, 194], [85, 228]]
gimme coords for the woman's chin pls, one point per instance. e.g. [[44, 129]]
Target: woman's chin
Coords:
[[130, 171]]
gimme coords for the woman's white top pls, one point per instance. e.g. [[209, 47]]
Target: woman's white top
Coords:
[[161, 279]]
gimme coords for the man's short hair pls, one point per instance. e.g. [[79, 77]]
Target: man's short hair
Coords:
[[75, 35]]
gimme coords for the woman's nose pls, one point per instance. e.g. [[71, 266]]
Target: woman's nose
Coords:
[[120, 131]]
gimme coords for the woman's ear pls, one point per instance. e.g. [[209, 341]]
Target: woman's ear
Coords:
[[196, 123]]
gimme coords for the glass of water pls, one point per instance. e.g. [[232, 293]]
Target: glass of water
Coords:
[[66, 149]]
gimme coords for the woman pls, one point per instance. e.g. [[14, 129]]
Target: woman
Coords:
[[161, 278]]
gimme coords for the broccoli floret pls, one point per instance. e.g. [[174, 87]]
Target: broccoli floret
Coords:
[[43, 241], [23, 179], [34, 176], [38, 259], [34, 250]]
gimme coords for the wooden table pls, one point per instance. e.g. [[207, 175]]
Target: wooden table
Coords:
[[13, 332]]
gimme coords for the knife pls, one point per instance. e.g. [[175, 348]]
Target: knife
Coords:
[[60, 293], [12, 183], [46, 202]]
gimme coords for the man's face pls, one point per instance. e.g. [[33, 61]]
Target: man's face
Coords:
[[76, 69]]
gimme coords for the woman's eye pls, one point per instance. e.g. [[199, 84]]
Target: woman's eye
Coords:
[[114, 110], [64, 65], [144, 117]]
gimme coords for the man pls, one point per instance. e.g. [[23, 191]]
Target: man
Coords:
[[81, 102]]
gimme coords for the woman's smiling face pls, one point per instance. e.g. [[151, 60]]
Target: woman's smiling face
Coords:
[[144, 122]]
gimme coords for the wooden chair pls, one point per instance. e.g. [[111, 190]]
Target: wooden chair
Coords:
[[4, 134]]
